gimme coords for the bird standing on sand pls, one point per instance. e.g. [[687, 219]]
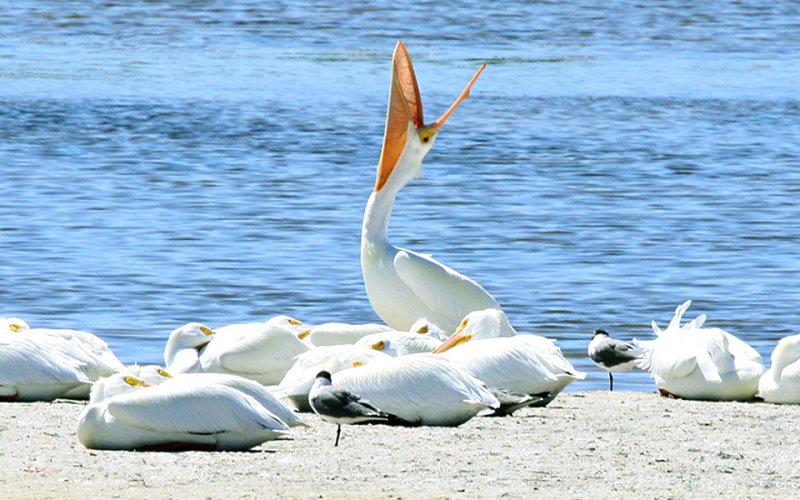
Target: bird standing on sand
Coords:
[[338, 406], [613, 355]]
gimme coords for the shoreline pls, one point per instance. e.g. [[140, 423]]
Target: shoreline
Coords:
[[620, 444]]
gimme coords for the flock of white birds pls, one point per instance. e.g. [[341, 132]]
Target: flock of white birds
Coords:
[[234, 387], [446, 354]]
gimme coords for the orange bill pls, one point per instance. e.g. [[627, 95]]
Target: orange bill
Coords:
[[405, 106]]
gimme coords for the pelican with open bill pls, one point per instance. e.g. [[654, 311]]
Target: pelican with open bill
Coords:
[[403, 285]]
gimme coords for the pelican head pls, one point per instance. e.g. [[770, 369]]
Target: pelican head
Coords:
[[119, 383], [407, 139], [485, 324], [786, 352], [424, 327], [189, 336], [14, 325]]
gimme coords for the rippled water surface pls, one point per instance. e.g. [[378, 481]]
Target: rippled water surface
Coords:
[[164, 162]]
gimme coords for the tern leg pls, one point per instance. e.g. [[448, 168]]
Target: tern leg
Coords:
[[338, 432], [610, 382]]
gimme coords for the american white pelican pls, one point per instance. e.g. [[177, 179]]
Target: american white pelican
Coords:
[[123, 414], [262, 352], [297, 382], [402, 285], [31, 371], [781, 383], [419, 389], [13, 325], [182, 351], [693, 362], [328, 334], [396, 343], [424, 327], [479, 325], [152, 374], [613, 355], [486, 346], [338, 406], [92, 355], [93, 352], [156, 375]]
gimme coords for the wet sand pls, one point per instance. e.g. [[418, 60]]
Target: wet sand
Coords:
[[585, 444]]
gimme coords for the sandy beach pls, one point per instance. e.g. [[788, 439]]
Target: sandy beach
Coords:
[[585, 444]]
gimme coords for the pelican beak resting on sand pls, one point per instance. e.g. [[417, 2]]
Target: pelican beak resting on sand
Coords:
[[402, 285]]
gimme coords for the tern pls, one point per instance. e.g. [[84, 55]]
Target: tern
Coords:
[[338, 406], [613, 355]]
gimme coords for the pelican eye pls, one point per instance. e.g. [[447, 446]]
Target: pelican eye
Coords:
[[462, 326], [426, 135], [206, 330], [356, 364], [133, 381], [15, 328], [164, 373], [423, 330], [304, 334], [294, 322], [378, 346]]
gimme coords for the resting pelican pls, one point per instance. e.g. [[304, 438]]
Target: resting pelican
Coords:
[[419, 389], [486, 346], [182, 351], [328, 334], [262, 352], [31, 371], [124, 414], [693, 362], [297, 382], [399, 343], [781, 383], [155, 375], [402, 285], [424, 327], [93, 353]]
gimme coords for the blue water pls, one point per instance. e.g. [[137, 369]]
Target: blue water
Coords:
[[165, 162]]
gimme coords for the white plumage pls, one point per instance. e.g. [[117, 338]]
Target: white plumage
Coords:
[[403, 285], [297, 382], [262, 352], [487, 346], [523, 364], [328, 334], [693, 362], [92, 354], [396, 343], [421, 389], [781, 383], [31, 371], [124, 415]]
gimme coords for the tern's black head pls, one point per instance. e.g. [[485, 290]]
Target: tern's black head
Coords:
[[324, 374], [600, 331]]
